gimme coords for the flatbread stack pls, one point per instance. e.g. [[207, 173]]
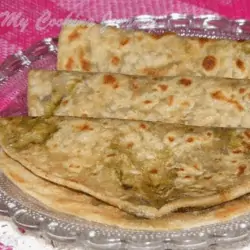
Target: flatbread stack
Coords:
[[136, 130]]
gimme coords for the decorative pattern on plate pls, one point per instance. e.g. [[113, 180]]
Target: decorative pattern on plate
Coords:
[[26, 212]]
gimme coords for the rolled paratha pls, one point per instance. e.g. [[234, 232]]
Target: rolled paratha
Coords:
[[95, 48], [65, 200], [147, 169], [198, 101]]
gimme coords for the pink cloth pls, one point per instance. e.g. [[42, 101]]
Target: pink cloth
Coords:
[[23, 22]]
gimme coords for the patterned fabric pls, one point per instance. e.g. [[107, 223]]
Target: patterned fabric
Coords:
[[23, 22]]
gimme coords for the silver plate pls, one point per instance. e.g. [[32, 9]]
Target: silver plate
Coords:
[[31, 214]]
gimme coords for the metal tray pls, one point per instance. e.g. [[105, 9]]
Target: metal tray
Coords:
[[29, 213]]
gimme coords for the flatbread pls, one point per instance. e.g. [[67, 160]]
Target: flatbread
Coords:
[[95, 48], [67, 201], [200, 101], [147, 169]]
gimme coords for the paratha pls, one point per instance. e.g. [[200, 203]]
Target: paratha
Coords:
[[65, 200], [147, 169], [95, 48], [199, 101]]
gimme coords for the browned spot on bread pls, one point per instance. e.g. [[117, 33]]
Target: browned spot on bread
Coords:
[[187, 177], [135, 85], [64, 102], [190, 139], [17, 177], [218, 95], [234, 161], [209, 133], [157, 36], [185, 104], [181, 169], [170, 100], [208, 177], [163, 87], [171, 138], [84, 127], [110, 155], [225, 212], [154, 171], [124, 41], [147, 101], [151, 71], [85, 64], [130, 145], [202, 41], [111, 80], [185, 82], [237, 151], [126, 186], [242, 90], [69, 64], [74, 166], [247, 134], [240, 65], [142, 125], [241, 170], [209, 63], [115, 60], [75, 33], [196, 166]]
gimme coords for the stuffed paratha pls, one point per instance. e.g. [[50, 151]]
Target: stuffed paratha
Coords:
[[64, 200], [148, 169], [141, 53], [199, 101]]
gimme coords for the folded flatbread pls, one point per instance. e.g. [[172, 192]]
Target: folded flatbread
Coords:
[[147, 169], [93, 47], [64, 200], [199, 101]]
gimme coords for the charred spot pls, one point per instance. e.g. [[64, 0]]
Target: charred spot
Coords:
[[218, 95], [84, 127], [196, 166], [124, 41], [130, 145], [209, 63], [240, 65], [171, 138], [111, 155], [110, 80], [187, 177], [154, 171], [151, 71], [85, 64], [157, 36], [126, 186], [237, 151], [142, 125], [190, 139], [247, 134], [74, 166], [147, 101], [208, 177], [234, 161], [185, 82], [115, 60], [163, 87], [242, 90], [241, 170], [203, 41], [209, 134], [170, 100], [69, 64], [65, 102], [181, 169]]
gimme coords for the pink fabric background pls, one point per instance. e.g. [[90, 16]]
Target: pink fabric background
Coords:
[[23, 22]]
